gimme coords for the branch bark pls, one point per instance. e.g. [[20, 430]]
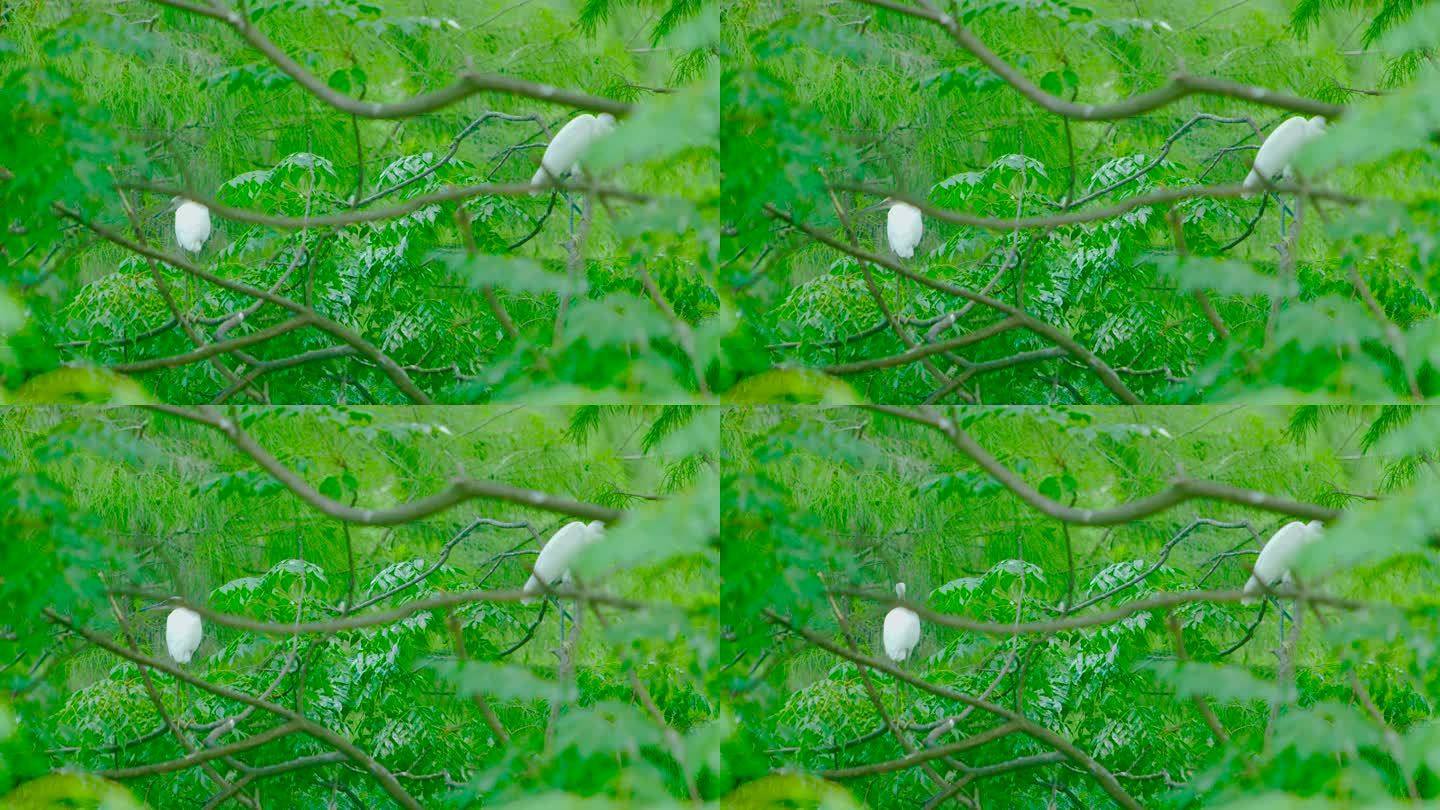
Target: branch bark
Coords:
[[467, 83], [1180, 86], [374, 768], [1024, 725], [1180, 491], [343, 333], [458, 492]]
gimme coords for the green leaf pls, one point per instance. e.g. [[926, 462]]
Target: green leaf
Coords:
[[502, 681], [652, 536], [1377, 128], [515, 273], [1228, 276], [1222, 682], [662, 127]]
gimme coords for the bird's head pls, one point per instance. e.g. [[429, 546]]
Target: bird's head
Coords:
[[884, 205], [900, 589], [606, 122], [167, 602]]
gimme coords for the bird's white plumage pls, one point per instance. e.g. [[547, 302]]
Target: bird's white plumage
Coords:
[[902, 629], [1280, 553], [192, 226], [553, 564], [1281, 147], [183, 631], [562, 156], [904, 227], [596, 530]]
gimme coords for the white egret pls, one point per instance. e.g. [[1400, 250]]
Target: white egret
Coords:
[[183, 631], [553, 564], [560, 551], [904, 227], [192, 225], [902, 629], [562, 156], [1281, 147], [596, 530], [1278, 557], [1279, 150]]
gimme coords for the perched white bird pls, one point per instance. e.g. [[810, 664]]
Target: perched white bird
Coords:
[[192, 225], [562, 156], [1281, 147], [183, 631], [553, 564], [902, 629], [597, 529], [904, 227], [1280, 554]]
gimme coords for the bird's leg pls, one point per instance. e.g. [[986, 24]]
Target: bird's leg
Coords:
[[1284, 211], [1283, 616], [570, 205], [563, 615]]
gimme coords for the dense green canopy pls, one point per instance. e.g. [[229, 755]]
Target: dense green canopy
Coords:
[[599, 292], [1065, 190], [827, 508], [104, 512]]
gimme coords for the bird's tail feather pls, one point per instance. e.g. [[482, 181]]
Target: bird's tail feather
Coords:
[[1253, 179], [1252, 586]]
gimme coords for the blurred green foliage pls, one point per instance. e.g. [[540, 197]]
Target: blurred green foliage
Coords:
[[866, 501], [95, 499], [818, 92], [143, 92]]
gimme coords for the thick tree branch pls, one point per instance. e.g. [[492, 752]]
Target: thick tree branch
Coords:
[[212, 349], [1157, 197], [924, 755], [1180, 86], [468, 82], [922, 351], [1057, 336], [374, 768], [264, 367], [458, 491], [447, 194], [1158, 602], [256, 774], [356, 621], [199, 756], [1024, 725], [1180, 491], [343, 333]]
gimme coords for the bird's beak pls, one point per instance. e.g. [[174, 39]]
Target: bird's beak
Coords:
[[155, 606], [875, 207]]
